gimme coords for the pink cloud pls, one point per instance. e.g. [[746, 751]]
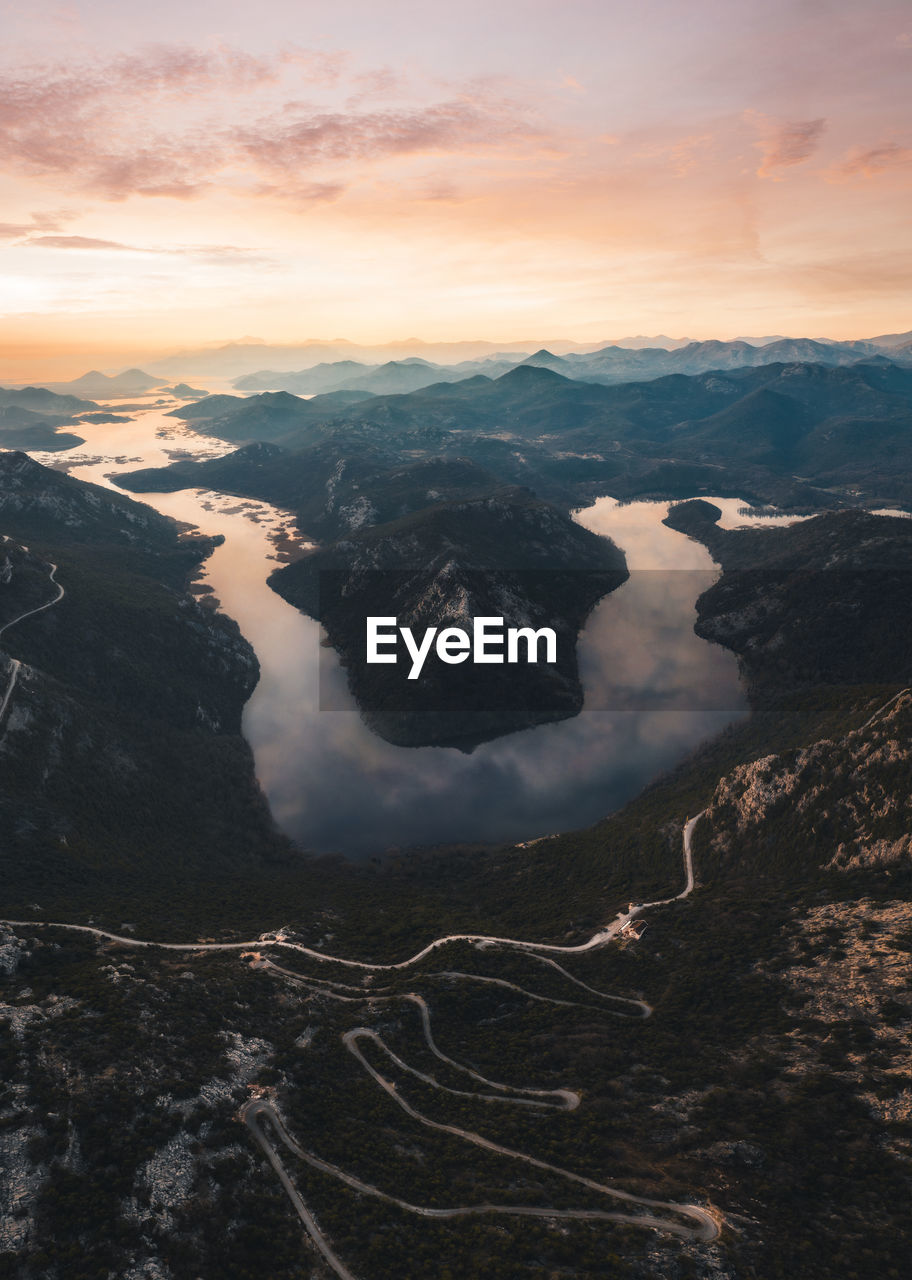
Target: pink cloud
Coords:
[[99, 124], [207, 253], [108, 126], [168, 122], [76, 242], [50, 220], [785, 145], [372, 85], [456, 125], [868, 162]]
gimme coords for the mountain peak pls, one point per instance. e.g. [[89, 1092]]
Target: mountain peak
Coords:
[[532, 373]]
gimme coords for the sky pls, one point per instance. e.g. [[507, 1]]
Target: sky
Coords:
[[179, 175]]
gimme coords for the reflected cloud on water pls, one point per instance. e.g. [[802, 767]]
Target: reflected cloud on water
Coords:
[[653, 688]]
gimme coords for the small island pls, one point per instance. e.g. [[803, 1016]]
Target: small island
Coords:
[[507, 555]]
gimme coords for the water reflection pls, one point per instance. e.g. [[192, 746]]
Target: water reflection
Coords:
[[333, 785]]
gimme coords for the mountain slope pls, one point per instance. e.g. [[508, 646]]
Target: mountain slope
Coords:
[[825, 601], [120, 739], [800, 435]]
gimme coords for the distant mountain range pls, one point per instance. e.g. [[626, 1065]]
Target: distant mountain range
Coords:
[[319, 368], [239, 359], [30, 418], [394, 377], [129, 383], [798, 435], [609, 365], [901, 341]]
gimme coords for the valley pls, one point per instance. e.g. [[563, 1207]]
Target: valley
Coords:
[[319, 993], [455, 660], [475, 1047]]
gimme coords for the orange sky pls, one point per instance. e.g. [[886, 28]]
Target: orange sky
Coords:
[[501, 171]]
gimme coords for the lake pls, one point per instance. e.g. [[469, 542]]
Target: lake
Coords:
[[653, 689]]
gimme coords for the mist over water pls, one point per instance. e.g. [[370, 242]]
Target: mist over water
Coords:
[[653, 688]]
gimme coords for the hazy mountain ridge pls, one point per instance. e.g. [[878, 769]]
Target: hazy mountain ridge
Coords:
[[103, 386], [800, 435], [248, 358], [609, 366], [30, 418], [312, 368]]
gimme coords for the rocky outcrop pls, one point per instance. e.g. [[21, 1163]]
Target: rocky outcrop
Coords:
[[38, 502], [837, 804]]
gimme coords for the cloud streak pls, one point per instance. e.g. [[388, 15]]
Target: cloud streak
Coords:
[[172, 122], [785, 145], [458, 125], [76, 242], [869, 162], [39, 222], [211, 254], [591, 177]]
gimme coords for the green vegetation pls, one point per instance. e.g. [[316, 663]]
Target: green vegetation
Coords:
[[768, 1080], [798, 432], [121, 751]]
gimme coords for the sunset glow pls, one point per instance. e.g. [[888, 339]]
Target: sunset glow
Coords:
[[522, 170]]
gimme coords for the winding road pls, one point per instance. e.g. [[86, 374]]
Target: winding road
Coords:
[[690, 1222], [15, 664], [15, 668], [880, 710], [598, 939], [706, 1227], [41, 607], [258, 1110]]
